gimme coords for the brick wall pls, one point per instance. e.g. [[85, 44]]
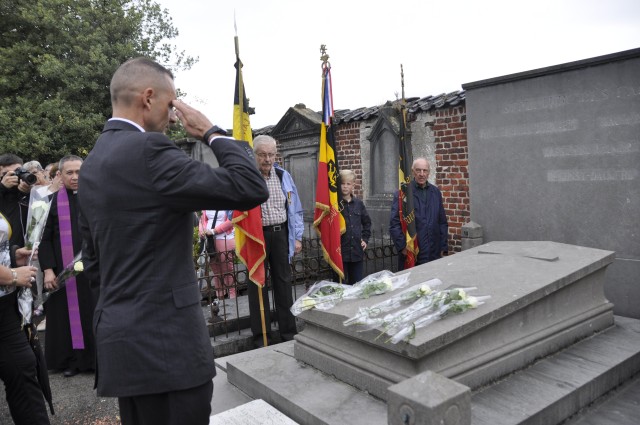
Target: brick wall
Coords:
[[448, 130], [452, 168], [348, 151]]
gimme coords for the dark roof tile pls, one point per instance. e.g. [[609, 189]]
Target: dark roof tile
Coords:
[[414, 105]]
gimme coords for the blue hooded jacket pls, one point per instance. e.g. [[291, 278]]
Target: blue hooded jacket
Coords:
[[295, 221]]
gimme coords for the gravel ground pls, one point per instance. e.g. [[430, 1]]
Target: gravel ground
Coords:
[[74, 400]]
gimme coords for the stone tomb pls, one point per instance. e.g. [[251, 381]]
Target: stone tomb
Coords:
[[545, 296]]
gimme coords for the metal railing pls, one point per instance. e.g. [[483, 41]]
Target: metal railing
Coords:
[[227, 315]]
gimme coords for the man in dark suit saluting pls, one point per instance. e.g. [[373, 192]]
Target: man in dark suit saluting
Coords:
[[137, 194]]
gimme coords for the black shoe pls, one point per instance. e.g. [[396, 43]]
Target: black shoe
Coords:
[[68, 373]]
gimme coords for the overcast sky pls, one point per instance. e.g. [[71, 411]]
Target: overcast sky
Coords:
[[441, 44]]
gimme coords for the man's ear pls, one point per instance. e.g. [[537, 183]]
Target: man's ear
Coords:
[[147, 97]]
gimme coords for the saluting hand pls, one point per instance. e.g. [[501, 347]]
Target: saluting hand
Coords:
[[194, 121]]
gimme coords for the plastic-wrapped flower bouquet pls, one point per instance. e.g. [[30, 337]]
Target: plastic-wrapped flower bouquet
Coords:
[[72, 269], [37, 214], [414, 308], [324, 295], [414, 293]]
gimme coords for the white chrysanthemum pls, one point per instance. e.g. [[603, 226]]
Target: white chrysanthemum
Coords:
[[387, 283], [425, 290], [472, 302], [308, 302], [78, 266], [463, 295], [38, 204]]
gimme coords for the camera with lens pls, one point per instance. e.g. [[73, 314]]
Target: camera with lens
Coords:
[[26, 176]]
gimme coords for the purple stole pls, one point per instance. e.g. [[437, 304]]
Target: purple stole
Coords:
[[66, 245]]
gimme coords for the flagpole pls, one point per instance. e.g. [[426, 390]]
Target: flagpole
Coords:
[[240, 84], [328, 221], [325, 63], [324, 57], [405, 194], [242, 136]]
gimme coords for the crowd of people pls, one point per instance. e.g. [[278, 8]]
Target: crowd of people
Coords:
[[135, 236]]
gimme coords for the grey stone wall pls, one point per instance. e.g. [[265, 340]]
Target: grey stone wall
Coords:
[[554, 154]]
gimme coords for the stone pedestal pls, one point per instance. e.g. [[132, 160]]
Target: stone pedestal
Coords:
[[546, 341], [449, 403], [472, 235], [544, 296]]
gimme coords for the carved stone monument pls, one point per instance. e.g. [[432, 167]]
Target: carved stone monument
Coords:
[[547, 304]]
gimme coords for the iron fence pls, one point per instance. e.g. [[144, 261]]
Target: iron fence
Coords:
[[226, 272]]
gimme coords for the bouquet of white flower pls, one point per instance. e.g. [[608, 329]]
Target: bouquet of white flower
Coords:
[[321, 295], [324, 295], [403, 323], [39, 205], [458, 303], [406, 297], [74, 268]]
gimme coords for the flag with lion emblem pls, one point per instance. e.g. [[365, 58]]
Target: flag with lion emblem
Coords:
[[328, 220]]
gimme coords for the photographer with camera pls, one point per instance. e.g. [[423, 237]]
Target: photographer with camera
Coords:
[[15, 188]]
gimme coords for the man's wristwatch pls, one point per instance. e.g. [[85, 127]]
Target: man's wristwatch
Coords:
[[212, 130]]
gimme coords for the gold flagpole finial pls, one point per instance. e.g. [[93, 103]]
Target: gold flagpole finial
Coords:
[[402, 80], [324, 56]]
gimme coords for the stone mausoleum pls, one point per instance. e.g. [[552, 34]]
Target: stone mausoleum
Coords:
[[548, 154]]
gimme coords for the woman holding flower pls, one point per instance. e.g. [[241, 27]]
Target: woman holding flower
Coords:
[[18, 367]]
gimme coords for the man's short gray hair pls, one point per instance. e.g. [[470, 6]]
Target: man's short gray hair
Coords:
[[263, 139]]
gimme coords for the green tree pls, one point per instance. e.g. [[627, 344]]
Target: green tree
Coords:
[[56, 62]]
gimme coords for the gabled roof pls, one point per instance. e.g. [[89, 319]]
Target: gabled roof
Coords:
[[414, 105]]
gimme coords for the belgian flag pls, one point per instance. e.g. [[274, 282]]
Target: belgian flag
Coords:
[[328, 221], [405, 194], [250, 247]]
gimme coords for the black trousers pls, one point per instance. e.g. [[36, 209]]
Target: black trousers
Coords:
[[191, 406], [18, 367], [277, 251], [352, 271]]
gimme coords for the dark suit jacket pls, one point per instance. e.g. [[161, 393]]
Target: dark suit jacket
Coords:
[[137, 194]]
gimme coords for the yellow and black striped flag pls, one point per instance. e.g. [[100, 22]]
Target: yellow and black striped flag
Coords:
[[250, 247]]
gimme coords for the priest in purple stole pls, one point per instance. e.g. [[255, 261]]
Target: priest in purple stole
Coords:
[[69, 342]]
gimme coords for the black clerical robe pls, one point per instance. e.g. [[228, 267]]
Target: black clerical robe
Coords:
[[59, 351]]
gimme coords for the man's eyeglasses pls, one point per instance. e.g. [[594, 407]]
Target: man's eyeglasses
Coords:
[[263, 155]]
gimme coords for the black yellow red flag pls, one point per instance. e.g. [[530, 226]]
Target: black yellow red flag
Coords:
[[405, 194], [328, 221], [250, 247]]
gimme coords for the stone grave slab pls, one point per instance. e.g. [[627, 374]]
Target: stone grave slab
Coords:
[[545, 296], [256, 412]]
